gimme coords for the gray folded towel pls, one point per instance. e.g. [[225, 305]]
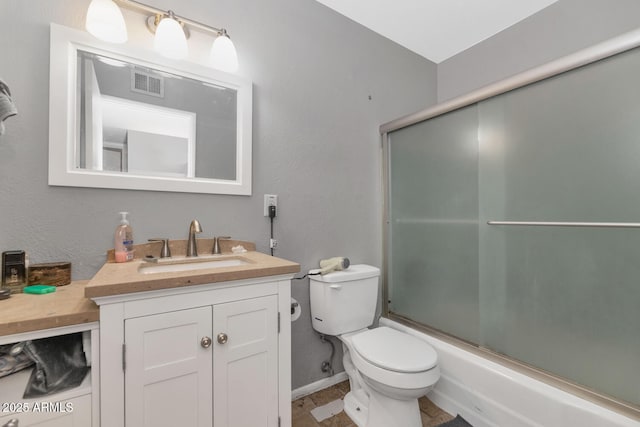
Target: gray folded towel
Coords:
[[7, 107]]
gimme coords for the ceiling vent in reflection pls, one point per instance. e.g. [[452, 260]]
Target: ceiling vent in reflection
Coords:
[[147, 83]]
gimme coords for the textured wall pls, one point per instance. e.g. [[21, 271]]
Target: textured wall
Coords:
[[559, 30], [322, 86]]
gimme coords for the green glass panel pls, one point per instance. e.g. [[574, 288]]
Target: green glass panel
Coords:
[[434, 224], [561, 298]]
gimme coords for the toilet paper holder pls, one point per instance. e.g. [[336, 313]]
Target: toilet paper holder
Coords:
[[296, 310]]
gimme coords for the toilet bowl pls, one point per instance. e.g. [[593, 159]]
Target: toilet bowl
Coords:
[[388, 369]]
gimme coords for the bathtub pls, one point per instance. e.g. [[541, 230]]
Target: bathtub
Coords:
[[488, 394]]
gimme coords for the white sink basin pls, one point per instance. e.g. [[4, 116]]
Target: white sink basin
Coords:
[[189, 264]]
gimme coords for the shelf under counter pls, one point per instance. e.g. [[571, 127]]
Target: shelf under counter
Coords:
[[12, 388], [76, 406]]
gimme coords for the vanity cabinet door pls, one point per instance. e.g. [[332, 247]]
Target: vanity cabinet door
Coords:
[[246, 363], [168, 369]]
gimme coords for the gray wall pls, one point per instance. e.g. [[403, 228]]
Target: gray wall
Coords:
[[561, 29], [322, 86]]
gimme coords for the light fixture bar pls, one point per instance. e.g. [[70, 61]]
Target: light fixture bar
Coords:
[[136, 5], [170, 41], [154, 20]]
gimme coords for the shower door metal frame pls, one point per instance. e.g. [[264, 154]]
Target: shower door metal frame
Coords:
[[600, 51]]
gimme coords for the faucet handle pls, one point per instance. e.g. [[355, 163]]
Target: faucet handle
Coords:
[[165, 252], [216, 244]]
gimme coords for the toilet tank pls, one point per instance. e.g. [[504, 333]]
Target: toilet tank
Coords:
[[344, 301]]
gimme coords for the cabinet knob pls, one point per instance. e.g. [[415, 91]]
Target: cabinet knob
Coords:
[[205, 342], [222, 338]]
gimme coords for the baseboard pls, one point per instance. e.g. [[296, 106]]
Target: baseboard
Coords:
[[318, 385]]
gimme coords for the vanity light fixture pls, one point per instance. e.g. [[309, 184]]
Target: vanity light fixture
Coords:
[[223, 53], [105, 21], [170, 39], [171, 32]]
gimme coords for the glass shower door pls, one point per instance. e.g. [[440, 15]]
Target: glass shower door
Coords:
[[561, 294], [564, 298], [433, 223]]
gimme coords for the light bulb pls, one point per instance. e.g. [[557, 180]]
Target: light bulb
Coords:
[[105, 21], [170, 40], [223, 53]]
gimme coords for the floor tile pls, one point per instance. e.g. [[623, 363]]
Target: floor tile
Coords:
[[439, 419], [304, 420], [343, 387], [430, 413], [327, 395], [428, 407], [304, 405], [339, 420]]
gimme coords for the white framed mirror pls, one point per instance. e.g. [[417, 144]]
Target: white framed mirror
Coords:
[[125, 117]]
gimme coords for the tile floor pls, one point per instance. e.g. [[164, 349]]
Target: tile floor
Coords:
[[301, 409]]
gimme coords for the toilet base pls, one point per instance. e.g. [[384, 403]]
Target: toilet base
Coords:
[[356, 406], [383, 412]]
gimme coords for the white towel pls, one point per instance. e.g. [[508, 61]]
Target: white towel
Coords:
[[7, 107]]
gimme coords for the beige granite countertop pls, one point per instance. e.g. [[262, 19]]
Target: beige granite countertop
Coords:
[[71, 304], [123, 278], [66, 306]]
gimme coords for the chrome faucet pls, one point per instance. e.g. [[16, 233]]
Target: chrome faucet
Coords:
[[216, 244], [166, 251], [192, 247]]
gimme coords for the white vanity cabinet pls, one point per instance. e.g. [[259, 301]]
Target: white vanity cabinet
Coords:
[[203, 355]]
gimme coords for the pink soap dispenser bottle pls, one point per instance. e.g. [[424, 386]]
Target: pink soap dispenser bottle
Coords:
[[123, 240]]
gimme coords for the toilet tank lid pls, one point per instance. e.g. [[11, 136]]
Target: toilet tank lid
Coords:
[[394, 350], [354, 272]]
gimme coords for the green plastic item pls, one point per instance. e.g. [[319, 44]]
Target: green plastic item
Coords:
[[39, 289]]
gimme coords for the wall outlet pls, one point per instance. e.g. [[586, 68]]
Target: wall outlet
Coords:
[[270, 200]]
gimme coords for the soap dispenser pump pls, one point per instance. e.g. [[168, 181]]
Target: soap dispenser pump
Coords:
[[123, 240]]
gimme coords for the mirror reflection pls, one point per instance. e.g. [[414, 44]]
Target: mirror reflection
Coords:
[[141, 121]]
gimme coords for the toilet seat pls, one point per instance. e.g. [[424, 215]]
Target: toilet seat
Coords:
[[393, 378], [396, 351]]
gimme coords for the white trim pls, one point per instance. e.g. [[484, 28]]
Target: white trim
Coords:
[[318, 385], [65, 42], [284, 351], [183, 290], [51, 332]]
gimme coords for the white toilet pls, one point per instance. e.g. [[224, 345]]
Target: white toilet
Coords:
[[388, 370]]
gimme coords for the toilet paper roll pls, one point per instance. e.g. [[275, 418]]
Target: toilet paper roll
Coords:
[[295, 310]]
